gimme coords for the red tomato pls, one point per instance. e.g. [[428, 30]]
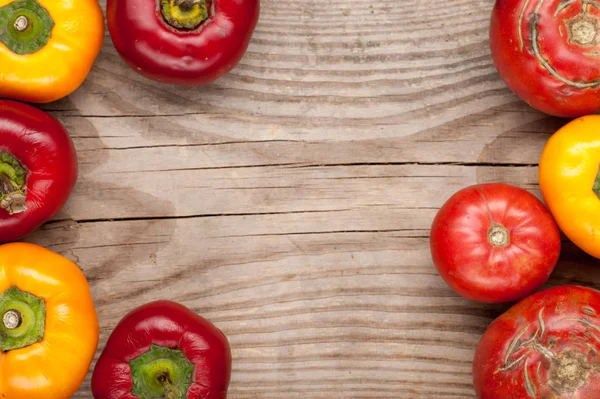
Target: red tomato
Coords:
[[548, 53], [494, 243], [546, 346]]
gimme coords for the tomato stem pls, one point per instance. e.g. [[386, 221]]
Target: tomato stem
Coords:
[[569, 372], [583, 30], [498, 236]]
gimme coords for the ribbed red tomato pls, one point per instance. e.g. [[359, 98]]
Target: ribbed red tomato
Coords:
[[494, 243], [545, 347], [548, 53]]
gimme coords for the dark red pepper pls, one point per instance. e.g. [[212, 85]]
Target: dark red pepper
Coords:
[[163, 350], [38, 168], [186, 42]]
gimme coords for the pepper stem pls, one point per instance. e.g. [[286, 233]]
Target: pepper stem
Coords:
[[23, 319], [186, 5], [596, 187], [184, 14], [161, 373], [171, 391], [21, 23], [13, 191], [12, 319], [25, 26]]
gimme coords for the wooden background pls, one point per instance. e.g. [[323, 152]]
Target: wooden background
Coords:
[[290, 202]]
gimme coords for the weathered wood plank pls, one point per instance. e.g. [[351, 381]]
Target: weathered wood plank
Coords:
[[320, 78], [494, 136], [290, 202], [322, 314], [186, 182]]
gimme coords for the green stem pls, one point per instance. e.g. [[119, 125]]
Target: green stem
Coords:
[[25, 26], [23, 319], [161, 373], [21, 23], [13, 192], [12, 319], [596, 187], [170, 390], [184, 14]]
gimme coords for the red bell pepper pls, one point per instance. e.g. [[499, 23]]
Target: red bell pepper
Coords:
[[163, 350], [38, 168], [186, 42]]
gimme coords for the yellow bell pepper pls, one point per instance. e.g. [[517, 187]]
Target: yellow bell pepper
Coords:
[[47, 47], [570, 181], [48, 324]]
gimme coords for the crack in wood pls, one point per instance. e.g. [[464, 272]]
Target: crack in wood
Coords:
[[185, 145], [474, 164], [196, 216], [359, 231]]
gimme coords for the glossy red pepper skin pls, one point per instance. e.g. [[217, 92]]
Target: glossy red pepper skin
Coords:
[[160, 52], [171, 325], [43, 146]]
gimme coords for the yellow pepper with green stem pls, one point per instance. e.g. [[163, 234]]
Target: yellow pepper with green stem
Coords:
[[569, 177], [48, 324], [47, 47]]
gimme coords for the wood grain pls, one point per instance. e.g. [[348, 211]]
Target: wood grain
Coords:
[[290, 202]]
